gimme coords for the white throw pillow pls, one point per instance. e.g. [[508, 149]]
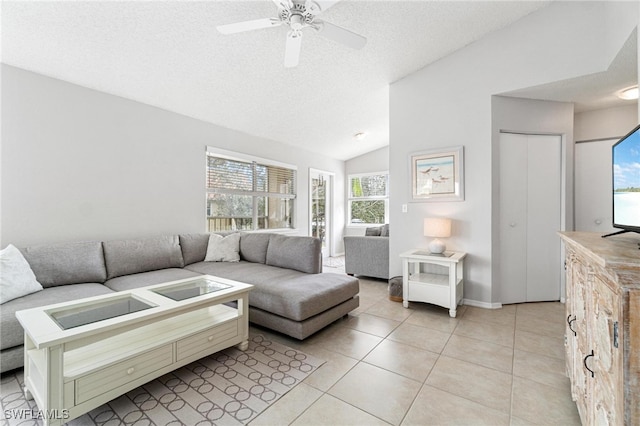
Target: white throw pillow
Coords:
[[16, 277], [223, 249]]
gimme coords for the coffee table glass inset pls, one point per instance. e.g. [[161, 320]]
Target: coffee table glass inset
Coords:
[[77, 316], [191, 289]]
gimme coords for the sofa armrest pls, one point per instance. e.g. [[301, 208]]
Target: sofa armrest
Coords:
[[367, 256]]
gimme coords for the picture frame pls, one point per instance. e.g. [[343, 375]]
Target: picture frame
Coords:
[[438, 175]]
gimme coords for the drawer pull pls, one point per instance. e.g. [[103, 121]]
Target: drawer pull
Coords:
[[585, 363], [131, 370], [569, 321], [210, 338]]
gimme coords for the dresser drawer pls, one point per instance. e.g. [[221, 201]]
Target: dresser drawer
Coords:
[[109, 378], [205, 340]]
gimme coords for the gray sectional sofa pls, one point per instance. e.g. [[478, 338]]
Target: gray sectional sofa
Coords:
[[291, 295]]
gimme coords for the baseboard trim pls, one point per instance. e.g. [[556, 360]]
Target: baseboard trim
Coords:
[[479, 304]]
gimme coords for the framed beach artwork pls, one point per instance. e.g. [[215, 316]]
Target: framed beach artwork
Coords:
[[437, 175]]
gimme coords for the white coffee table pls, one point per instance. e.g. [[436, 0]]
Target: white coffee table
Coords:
[[82, 354]]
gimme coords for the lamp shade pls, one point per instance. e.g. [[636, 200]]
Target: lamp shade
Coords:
[[437, 227]]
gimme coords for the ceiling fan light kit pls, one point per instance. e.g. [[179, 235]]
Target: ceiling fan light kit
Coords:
[[298, 15]]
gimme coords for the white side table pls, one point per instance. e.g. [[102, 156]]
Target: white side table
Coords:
[[441, 285]]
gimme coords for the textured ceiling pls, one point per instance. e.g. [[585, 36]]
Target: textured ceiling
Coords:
[[168, 54]]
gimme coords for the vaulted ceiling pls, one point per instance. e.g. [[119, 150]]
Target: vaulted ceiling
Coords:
[[169, 54]]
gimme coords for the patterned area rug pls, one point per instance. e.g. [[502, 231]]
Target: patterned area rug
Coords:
[[230, 387]]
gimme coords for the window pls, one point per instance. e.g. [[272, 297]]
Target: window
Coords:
[[369, 198], [249, 194]]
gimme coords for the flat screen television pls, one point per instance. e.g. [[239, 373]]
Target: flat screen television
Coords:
[[626, 183]]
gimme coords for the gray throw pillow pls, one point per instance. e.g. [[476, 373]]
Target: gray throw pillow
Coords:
[[223, 249], [373, 231]]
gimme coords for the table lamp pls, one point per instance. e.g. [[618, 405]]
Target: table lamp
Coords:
[[436, 228]]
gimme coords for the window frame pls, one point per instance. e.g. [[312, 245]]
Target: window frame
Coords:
[[254, 193], [350, 198]]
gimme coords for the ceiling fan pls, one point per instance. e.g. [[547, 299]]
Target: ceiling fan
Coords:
[[298, 15]]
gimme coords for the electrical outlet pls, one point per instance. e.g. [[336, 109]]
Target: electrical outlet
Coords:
[[404, 208]]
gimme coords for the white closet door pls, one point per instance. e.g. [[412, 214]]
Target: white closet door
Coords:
[[543, 218], [593, 198], [513, 217], [530, 191]]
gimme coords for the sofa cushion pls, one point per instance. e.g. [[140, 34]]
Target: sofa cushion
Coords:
[[67, 263], [143, 279], [285, 292], [223, 249], [300, 253], [124, 257], [12, 332], [253, 246], [384, 230], [16, 277], [194, 247]]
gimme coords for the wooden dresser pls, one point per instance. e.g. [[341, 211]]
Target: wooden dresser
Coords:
[[602, 336]]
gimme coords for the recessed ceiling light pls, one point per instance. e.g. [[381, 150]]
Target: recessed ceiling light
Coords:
[[360, 135], [629, 93]]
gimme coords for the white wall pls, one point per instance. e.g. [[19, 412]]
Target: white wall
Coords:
[[78, 164], [449, 103], [605, 123]]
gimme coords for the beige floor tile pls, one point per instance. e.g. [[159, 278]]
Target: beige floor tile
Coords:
[[366, 303], [435, 407], [503, 316], [289, 407], [471, 370], [483, 385], [402, 359], [331, 411], [346, 341], [420, 337], [541, 368], [431, 318], [516, 421], [371, 324], [391, 310], [545, 326], [554, 311], [542, 404], [540, 344], [489, 332], [335, 367], [377, 288], [480, 352], [379, 392]]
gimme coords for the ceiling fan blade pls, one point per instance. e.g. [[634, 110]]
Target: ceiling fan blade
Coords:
[[283, 4], [318, 6], [341, 35], [292, 49], [256, 24]]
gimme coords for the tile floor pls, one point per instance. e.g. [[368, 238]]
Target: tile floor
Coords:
[[387, 365]]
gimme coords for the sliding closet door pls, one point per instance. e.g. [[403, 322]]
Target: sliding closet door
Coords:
[[530, 208]]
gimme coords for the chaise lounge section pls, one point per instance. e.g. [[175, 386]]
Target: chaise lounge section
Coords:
[[291, 295]]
